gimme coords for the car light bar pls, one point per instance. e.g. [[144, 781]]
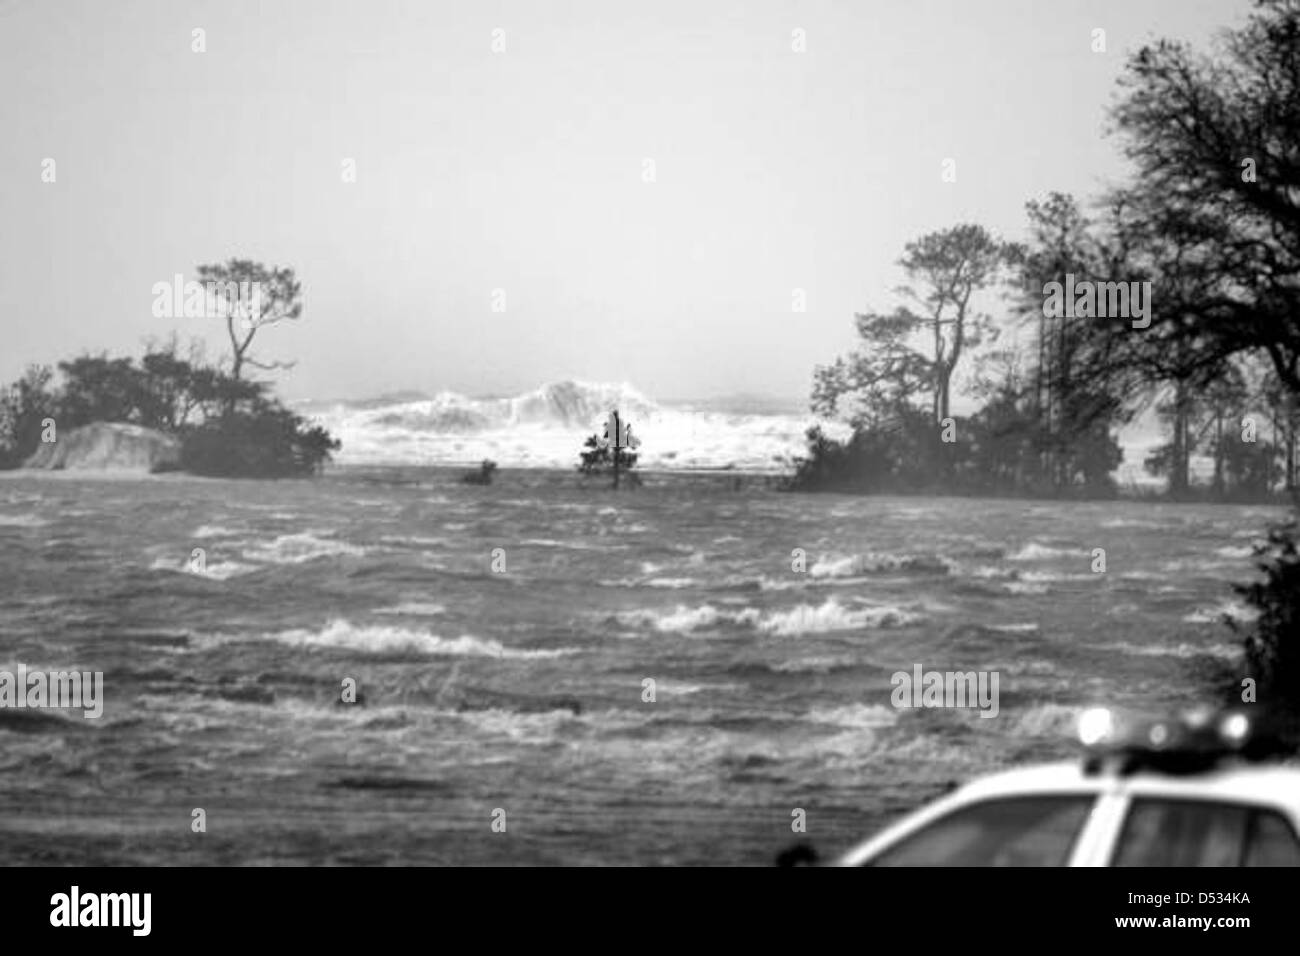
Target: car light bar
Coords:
[[1188, 743]]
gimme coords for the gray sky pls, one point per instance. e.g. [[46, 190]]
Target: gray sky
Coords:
[[523, 170]]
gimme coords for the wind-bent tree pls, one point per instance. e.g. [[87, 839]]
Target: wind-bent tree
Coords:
[[908, 352], [945, 269], [279, 298], [1216, 143], [881, 381]]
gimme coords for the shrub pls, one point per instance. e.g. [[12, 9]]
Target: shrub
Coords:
[[267, 442], [24, 406], [1272, 642]]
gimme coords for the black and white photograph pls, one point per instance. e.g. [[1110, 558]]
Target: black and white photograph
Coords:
[[767, 434]]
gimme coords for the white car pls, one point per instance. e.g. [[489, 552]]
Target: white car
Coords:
[[1180, 795]]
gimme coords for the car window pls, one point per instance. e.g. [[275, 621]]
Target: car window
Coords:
[[1016, 831], [1160, 832], [1271, 841]]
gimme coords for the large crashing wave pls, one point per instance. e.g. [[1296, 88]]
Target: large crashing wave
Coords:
[[546, 428]]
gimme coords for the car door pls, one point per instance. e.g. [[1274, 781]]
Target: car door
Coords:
[[1166, 830]]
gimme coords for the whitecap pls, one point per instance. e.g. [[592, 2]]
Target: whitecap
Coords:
[[1235, 551], [300, 548], [873, 563], [1183, 650], [22, 521], [381, 639], [833, 616], [683, 619], [1034, 551], [856, 716], [214, 531], [670, 583], [414, 609], [1216, 614], [214, 570]]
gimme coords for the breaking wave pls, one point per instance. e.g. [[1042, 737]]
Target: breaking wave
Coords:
[[300, 548], [1034, 551], [538, 429], [802, 619], [215, 570], [855, 565], [379, 639]]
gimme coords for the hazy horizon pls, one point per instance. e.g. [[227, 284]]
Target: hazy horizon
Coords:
[[522, 170]]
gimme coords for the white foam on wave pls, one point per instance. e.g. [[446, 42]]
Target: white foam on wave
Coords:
[[1235, 551], [685, 689], [538, 429], [413, 539], [1216, 613], [853, 565], [672, 583], [683, 619], [213, 570], [1046, 720], [22, 521], [803, 619], [833, 616], [988, 572], [812, 665], [855, 716], [1209, 567], [568, 545], [1024, 587], [413, 609], [1054, 577], [794, 584], [1181, 650], [1143, 576], [300, 548], [215, 531], [382, 639], [1033, 551]]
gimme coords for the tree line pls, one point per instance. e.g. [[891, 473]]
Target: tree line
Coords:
[[1207, 227], [228, 425]]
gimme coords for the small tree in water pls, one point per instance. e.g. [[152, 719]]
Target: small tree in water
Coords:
[[484, 474], [611, 452]]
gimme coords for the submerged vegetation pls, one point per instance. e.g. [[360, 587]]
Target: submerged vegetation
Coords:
[[486, 470], [601, 457]]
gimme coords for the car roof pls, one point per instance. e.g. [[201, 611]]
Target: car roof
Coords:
[[1247, 782], [1274, 785]]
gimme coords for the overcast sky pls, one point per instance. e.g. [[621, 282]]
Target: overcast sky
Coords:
[[524, 170]]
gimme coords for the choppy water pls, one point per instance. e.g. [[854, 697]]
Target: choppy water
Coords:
[[523, 690]]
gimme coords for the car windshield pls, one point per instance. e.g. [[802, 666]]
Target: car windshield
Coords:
[[1015, 831]]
